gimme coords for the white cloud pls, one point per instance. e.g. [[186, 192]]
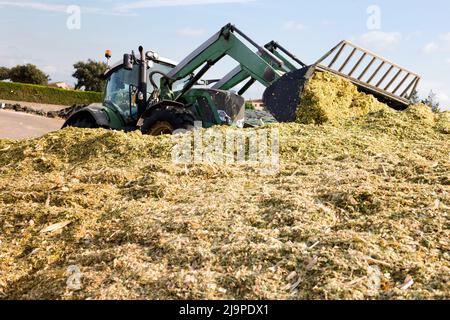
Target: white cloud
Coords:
[[448, 61], [380, 39], [171, 3], [121, 8], [328, 23], [430, 47], [414, 35], [440, 88], [58, 8], [293, 26], [445, 37], [191, 32], [441, 43], [50, 69], [443, 99], [35, 6]]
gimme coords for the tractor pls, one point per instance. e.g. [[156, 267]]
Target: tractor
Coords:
[[158, 96]]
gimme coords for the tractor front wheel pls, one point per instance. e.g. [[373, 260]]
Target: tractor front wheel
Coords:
[[167, 120]]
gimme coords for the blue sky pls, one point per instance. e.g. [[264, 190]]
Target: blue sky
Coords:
[[413, 33]]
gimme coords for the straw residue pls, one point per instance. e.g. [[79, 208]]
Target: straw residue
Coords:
[[357, 211]]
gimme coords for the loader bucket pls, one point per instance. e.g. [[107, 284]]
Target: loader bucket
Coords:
[[282, 98], [370, 73]]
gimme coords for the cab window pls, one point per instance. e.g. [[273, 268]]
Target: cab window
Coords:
[[122, 86]]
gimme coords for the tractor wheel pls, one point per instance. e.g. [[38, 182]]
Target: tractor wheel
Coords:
[[166, 120]]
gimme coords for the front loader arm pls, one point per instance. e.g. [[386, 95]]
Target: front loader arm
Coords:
[[226, 42], [240, 74], [278, 51]]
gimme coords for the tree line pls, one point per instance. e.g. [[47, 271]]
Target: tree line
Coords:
[[88, 74], [431, 100]]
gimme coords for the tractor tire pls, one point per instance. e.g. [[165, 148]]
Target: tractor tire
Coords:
[[167, 120]]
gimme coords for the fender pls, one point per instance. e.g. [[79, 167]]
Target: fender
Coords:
[[97, 112]]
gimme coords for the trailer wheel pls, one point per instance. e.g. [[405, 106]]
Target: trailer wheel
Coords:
[[167, 120]]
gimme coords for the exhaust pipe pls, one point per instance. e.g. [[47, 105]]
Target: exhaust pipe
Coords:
[[142, 85]]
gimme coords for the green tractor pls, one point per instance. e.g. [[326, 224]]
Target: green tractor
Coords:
[[133, 101], [157, 96]]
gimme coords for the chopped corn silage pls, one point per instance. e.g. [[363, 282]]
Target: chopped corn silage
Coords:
[[331, 99], [358, 211]]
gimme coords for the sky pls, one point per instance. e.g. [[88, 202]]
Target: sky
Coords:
[[412, 33]]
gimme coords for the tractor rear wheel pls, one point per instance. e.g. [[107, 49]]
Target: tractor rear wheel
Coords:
[[167, 120]]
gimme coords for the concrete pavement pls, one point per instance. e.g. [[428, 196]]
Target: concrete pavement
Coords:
[[17, 125]]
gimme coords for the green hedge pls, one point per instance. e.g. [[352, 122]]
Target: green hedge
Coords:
[[48, 95]]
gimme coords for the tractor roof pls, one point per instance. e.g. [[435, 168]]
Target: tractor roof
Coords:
[[119, 64]]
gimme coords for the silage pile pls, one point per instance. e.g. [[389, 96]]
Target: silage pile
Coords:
[[331, 99], [358, 211]]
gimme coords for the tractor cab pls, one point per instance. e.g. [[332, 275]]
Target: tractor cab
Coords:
[[122, 87]]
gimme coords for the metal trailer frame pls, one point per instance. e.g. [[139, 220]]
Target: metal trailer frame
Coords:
[[395, 84]]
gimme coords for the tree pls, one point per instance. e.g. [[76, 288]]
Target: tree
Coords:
[[249, 105], [432, 102], [28, 73], [89, 75], [4, 73], [415, 99]]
